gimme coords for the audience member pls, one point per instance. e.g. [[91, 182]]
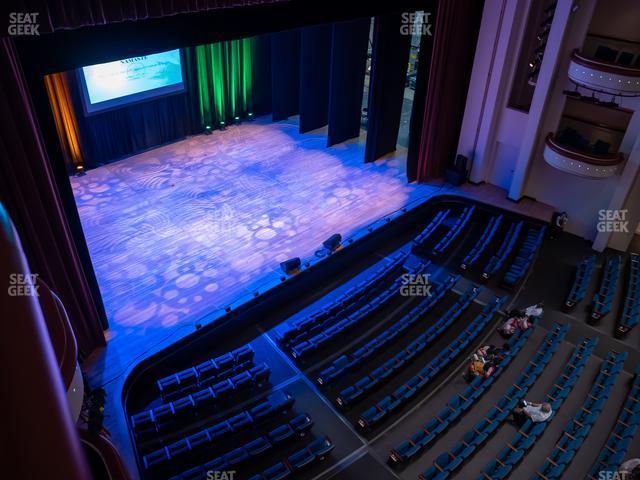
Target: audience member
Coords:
[[536, 412]]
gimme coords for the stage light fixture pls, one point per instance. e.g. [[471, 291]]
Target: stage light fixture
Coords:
[[208, 130], [80, 170], [333, 242], [291, 266], [223, 126]]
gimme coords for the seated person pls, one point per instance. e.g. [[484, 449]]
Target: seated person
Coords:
[[536, 412], [534, 311], [484, 361], [513, 324]]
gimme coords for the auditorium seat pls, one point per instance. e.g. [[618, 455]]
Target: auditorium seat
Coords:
[[345, 321], [622, 434], [429, 230], [359, 354], [581, 281], [529, 432], [315, 323], [603, 298], [579, 426], [496, 262], [409, 449], [630, 314], [453, 232], [315, 452], [525, 257], [403, 394], [487, 236], [367, 383]]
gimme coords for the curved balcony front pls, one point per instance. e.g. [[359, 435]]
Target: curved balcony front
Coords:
[[581, 163], [603, 76]]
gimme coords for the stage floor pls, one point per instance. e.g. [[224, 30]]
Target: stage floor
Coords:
[[179, 232]]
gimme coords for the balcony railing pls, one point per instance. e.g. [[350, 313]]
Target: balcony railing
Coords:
[[579, 162], [604, 76]]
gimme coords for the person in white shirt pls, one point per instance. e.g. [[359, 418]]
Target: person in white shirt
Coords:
[[535, 310], [536, 412]]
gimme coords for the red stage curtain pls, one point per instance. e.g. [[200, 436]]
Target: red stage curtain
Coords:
[[70, 14], [29, 192], [454, 43]]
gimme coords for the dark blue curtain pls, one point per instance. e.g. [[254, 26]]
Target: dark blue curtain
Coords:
[[348, 66], [386, 87], [285, 74], [315, 56], [262, 75]]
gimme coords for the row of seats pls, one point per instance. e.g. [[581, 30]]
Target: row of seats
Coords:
[[423, 439], [603, 298], [313, 324], [152, 419], [529, 432], [614, 450], [630, 315], [433, 225], [164, 458], [454, 231], [482, 243], [362, 353], [576, 431], [496, 262], [203, 440], [525, 256], [381, 375], [316, 451], [403, 394], [446, 463], [581, 282], [253, 449], [308, 347], [207, 372]]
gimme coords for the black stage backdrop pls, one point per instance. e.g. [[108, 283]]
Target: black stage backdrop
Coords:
[[315, 57], [386, 89], [348, 67], [285, 74]]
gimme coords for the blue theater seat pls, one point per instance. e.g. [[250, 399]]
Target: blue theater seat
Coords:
[[529, 432], [429, 230], [354, 298], [525, 257], [603, 298], [387, 405], [496, 262], [630, 313], [487, 236]]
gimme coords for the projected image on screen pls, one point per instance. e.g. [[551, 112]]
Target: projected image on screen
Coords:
[[113, 84]]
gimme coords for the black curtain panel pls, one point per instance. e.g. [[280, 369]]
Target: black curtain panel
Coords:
[[261, 82], [386, 86], [285, 74], [131, 129], [315, 57], [348, 66]]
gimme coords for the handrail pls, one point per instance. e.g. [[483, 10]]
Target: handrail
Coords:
[[580, 59], [591, 158]]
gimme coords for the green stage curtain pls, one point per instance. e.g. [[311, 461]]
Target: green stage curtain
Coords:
[[224, 72]]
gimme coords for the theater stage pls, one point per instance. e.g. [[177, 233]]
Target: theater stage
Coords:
[[179, 232]]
